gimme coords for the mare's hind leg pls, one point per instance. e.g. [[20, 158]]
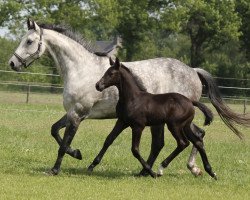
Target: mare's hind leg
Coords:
[[198, 143], [157, 133], [191, 165], [182, 143], [61, 123]]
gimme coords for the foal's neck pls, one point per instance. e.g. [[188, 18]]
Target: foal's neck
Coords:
[[128, 88]]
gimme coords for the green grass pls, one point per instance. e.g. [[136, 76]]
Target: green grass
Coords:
[[27, 150]]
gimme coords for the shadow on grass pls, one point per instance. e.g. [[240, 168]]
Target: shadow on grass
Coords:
[[80, 173]]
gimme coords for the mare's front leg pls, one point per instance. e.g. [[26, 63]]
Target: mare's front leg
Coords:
[[74, 117], [191, 164], [157, 134], [61, 123], [136, 138], [118, 128]]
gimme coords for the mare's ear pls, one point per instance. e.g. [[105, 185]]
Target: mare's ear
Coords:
[[35, 26], [111, 62], [32, 25], [29, 24], [117, 63]]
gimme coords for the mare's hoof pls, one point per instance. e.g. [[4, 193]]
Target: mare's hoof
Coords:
[[51, 172], [196, 171], [77, 154]]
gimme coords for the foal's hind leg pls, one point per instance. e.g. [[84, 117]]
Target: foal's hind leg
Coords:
[[182, 143], [118, 128], [191, 165], [157, 133], [61, 123], [136, 138], [198, 143]]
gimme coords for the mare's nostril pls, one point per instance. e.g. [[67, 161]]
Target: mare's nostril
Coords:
[[97, 86], [12, 64]]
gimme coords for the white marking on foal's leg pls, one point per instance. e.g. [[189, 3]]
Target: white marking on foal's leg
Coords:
[[195, 170], [160, 170]]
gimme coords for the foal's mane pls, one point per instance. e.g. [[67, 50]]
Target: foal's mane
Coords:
[[67, 31], [136, 78]]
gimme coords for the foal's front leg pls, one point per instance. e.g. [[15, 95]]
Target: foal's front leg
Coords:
[[136, 138], [118, 128]]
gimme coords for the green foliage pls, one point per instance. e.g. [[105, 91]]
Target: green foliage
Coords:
[[209, 34], [243, 10], [209, 24]]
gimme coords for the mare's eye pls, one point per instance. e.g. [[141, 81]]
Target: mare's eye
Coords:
[[29, 42]]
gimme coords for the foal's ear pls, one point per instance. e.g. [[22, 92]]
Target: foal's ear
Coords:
[[111, 62], [117, 63]]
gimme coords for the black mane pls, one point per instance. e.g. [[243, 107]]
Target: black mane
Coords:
[[136, 78], [67, 31]]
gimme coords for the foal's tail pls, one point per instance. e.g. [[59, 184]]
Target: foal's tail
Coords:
[[229, 117], [206, 111]]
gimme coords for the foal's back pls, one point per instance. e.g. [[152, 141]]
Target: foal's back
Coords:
[[163, 108]]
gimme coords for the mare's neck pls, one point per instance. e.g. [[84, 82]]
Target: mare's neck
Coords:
[[128, 88], [68, 54]]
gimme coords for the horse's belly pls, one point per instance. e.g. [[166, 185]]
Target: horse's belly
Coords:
[[103, 109]]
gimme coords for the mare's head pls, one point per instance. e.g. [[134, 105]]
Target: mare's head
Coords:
[[111, 77], [30, 48]]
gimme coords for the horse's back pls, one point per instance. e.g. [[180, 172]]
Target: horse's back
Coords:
[[164, 75]]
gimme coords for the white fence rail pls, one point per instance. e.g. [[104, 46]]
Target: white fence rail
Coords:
[[30, 88]]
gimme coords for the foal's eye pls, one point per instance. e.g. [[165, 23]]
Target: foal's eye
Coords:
[[29, 42], [112, 73]]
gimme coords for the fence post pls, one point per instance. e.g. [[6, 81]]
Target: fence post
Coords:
[[245, 106], [28, 93]]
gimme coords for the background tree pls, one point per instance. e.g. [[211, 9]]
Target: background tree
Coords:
[[209, 25], [213, 35]]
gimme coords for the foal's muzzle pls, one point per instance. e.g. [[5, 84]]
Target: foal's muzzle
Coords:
[[99, 86]]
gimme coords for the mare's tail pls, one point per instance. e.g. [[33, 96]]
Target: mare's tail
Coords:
[[229, 117], [206, 111]]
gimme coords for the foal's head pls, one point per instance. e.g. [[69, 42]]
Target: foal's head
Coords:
[[111, 77]]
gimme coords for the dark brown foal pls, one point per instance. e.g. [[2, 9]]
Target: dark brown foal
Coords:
[[137, 108]]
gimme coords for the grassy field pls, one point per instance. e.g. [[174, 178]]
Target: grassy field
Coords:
[[27, 150]]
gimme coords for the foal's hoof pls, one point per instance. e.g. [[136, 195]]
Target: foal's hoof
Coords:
[[143, 173], [77, 154], [159, 175], [90, 169], [52, 172], [215, 176], [153, 174]]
